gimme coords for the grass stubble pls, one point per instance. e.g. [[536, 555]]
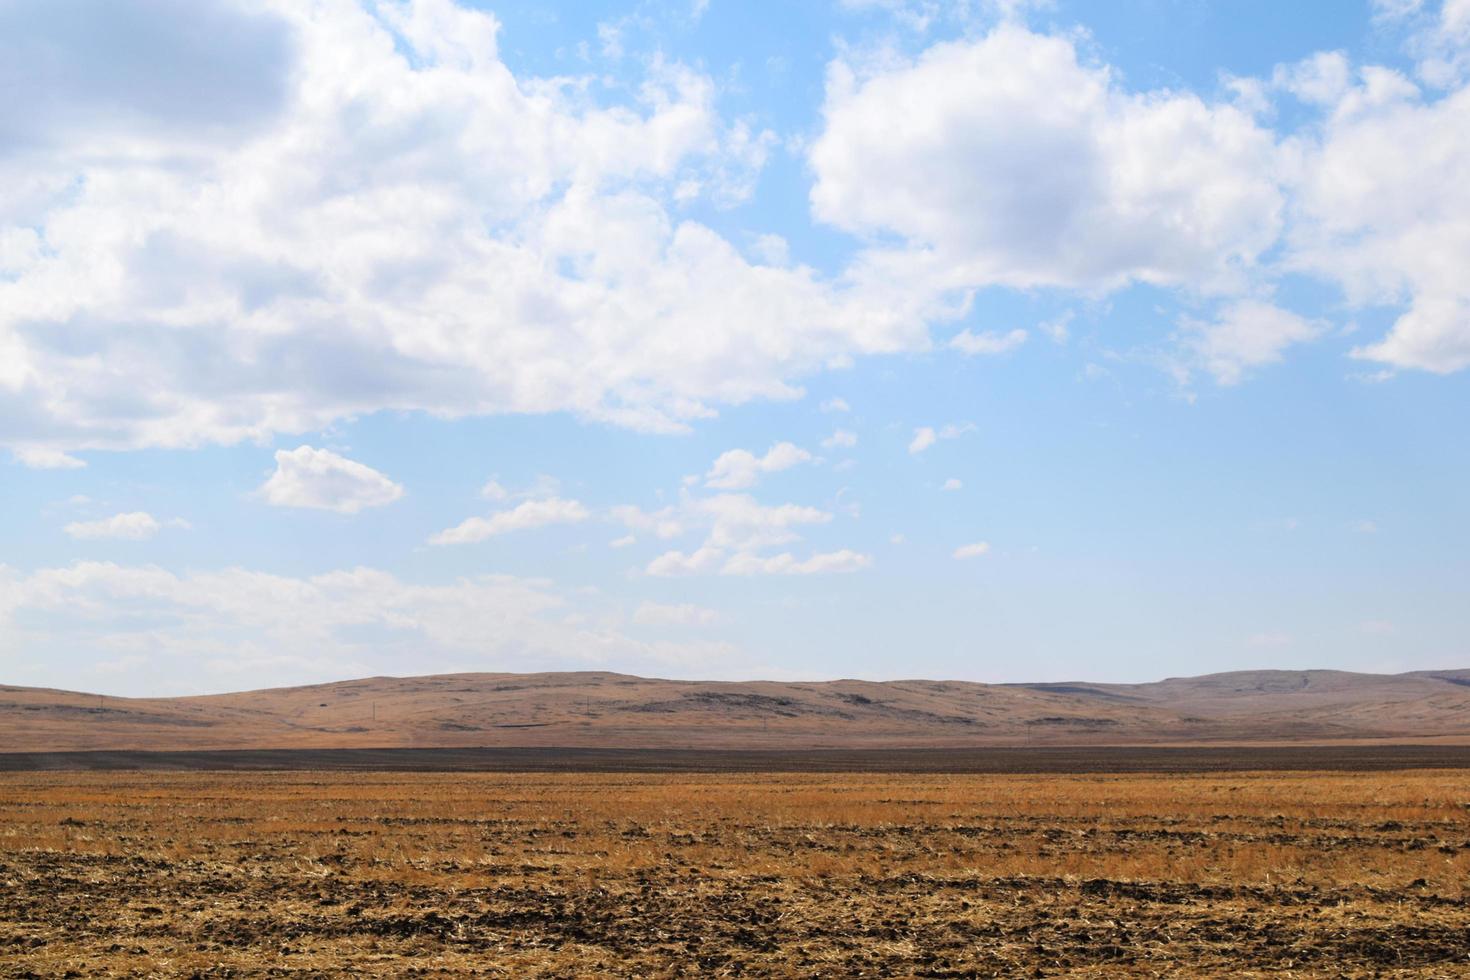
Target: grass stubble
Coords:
[[688, 875]]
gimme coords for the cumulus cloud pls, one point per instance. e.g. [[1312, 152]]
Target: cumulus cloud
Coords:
[[132, 526], [739, 534], [385, 217], [927, 436], [522, 517], [974, 550], [836, 405], [38, 458], [739, 523], [1246, 334], [672, 563], [1439, 36], [987, 342], [663, 523], [1384, 211], [360, 208], [952, 484], [322, 480], [1321, 79], [332, 209], [740, 468], [218, 629], [112, 75], [1008, 160], [840, 439]]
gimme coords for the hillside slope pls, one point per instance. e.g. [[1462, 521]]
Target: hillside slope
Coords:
[[615, 710]]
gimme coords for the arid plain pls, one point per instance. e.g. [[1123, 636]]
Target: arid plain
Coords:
[[834, 875], [1261, 824]]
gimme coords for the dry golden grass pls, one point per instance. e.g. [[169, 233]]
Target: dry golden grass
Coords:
[[771, 875]]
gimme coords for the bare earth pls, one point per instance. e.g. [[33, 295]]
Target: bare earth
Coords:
[[833, 875], [605, 710]]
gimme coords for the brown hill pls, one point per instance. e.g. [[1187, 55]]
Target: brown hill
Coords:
[[620, 711]]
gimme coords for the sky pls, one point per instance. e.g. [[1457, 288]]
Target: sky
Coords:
[[997, 341]]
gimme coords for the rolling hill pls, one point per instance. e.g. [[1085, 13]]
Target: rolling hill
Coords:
[[595, 709]]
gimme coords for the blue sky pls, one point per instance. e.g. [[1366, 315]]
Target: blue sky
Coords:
[[995, 341]]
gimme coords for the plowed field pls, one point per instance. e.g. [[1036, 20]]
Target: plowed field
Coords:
[[841, 875]]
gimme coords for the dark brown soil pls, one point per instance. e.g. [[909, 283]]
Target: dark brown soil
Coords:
[[1016, 759]]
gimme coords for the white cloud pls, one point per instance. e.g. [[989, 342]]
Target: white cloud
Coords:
[[1006, 160], [840, 439], [682, 614], [738, 523], [836, 405], [1321, 79], [786, 564], [1440, 39], [361, 208], [322, 480], [1365, 527], [1057, 327], [672, 563], [541, 487], [739, 533], [1384, 211], [133, 526], [217, 629], [1247, 334], [926, 436], [988, 342], [972, 550], [38, 458], [740, 468], [380, 215], [952, 484], [623, 542], [523, 517], [664, 523]]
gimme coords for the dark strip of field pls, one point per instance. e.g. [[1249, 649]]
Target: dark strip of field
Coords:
[[1017, 759]]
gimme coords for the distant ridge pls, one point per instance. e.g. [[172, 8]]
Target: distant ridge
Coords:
[[607, 710]]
